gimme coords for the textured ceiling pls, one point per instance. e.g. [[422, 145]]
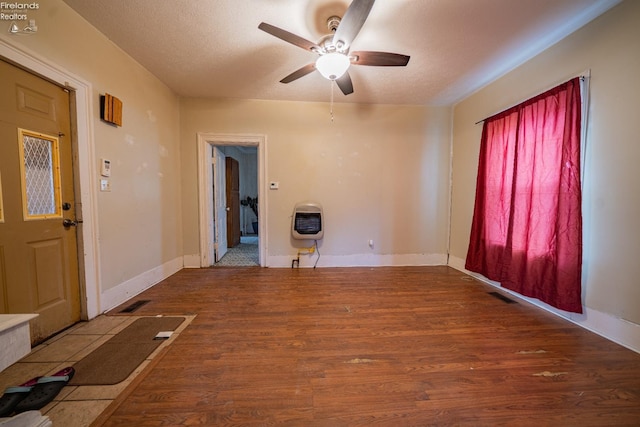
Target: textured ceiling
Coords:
[[213, 48]]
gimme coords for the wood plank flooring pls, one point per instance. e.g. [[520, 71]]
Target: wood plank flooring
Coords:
[[402, 346]]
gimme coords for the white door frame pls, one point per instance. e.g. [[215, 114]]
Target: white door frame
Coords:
[[82, 93], [205, 195]]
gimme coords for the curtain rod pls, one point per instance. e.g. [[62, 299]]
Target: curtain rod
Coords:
[[582, 76]]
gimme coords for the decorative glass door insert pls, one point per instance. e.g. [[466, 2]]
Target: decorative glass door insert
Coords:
[[40, 175]]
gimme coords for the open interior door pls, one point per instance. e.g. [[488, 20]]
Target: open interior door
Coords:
[[232, 175], [219, 204]]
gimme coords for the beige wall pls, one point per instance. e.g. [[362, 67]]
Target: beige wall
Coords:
[[380, 173], [609, 47], [139, 221]]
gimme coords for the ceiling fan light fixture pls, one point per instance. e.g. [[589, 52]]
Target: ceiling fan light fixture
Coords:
[[333, 65]]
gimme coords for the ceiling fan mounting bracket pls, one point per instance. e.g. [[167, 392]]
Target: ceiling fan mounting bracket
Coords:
[[333, 22]]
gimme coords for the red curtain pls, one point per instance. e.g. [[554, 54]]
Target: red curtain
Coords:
[[527, 222]]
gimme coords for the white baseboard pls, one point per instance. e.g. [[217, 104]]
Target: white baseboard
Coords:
[[357, 260], [613, 328], [121, 293], [191, 261]]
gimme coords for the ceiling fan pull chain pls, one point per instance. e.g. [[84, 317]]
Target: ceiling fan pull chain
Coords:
[[331, 109]]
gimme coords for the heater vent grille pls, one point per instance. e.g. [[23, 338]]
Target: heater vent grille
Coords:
[[307, 222]]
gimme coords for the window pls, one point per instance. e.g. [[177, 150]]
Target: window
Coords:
[[527, 223], [40, 169]]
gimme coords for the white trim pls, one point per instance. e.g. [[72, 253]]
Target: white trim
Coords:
[[450, 194], [205, 198], [359, 260], [88, 240], [613, 328], [15, 341], [191, 261], [126, 290]]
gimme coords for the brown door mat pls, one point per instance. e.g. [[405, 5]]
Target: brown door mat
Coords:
[[117, 358]]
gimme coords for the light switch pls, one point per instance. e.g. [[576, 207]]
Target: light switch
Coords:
[[105, 185], [273, 185]]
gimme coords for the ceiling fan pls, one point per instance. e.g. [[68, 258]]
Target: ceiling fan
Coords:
[[333, 50]]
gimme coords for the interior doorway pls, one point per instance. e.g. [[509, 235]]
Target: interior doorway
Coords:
[[235, 194], [248, 151]]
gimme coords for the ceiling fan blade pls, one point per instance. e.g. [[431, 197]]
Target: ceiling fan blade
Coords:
[[288, 37], [299, 73], [381, 59], [352, 22], [345, 84]]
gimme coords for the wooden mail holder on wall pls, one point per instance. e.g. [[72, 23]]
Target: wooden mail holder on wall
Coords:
[[111, 109]]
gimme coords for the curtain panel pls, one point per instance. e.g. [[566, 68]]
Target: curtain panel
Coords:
[[527, 222]]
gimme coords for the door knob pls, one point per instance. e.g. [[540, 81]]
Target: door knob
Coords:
[[228, 209], [70, 223]]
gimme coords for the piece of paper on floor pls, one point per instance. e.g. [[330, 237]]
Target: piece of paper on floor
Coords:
[[163, 335]]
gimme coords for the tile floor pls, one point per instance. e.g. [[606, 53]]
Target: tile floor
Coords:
[[77, 406], [243, 255]]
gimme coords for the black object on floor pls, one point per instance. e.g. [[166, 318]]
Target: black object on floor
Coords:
[[45, 390], [14, 395], [134, 306], [502, 297]]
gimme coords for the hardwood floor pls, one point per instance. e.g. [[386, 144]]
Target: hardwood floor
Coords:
[[404, 346]]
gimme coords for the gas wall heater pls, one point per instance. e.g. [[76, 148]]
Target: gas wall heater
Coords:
[[307, 223]]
